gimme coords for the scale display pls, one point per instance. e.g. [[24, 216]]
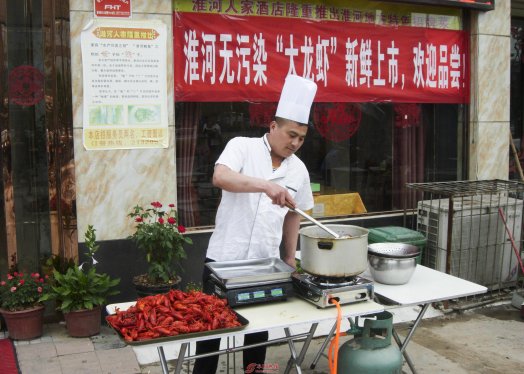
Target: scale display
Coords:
[[254, 295]]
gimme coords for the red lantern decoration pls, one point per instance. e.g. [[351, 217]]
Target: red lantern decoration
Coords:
[[260, 115], [337, 121], [26, 85]]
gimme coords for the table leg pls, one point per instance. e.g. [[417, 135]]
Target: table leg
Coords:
[[405, 354], [298, 359], [163, 362], [323, 347], [403, 344], [180, 358]]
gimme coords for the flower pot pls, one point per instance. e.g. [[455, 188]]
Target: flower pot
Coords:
[[24, 324], [83, 323], [143, 288]]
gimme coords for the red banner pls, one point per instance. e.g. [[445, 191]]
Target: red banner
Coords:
[[234, 58]]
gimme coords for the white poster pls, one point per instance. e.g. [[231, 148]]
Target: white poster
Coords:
[[125, 84]]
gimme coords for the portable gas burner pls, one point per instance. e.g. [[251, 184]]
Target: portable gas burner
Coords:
[[319, 290]]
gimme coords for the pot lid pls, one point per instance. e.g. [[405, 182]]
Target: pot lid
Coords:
[[394, 250]]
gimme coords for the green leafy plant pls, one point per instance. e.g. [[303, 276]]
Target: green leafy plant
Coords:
[[159, 234], [22, 290], [82, 287]]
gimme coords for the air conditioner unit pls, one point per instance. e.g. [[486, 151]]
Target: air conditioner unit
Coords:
[[481, 250]]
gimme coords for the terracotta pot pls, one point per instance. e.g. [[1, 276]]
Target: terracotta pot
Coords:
[[24, 324], [84, 322]]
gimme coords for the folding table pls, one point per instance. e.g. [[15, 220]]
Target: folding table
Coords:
[[293, 313], [425, 287]]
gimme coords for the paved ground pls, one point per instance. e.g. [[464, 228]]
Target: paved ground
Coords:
[[483, 340]]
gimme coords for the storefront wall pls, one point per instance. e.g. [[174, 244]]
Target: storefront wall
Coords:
[[110, 182]]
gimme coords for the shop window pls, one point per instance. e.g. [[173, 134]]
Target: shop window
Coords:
[[368, 150]]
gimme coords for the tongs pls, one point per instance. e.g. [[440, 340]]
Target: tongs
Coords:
[[309, 218]]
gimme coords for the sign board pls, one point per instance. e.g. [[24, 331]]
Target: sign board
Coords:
[[112, 8], [484, 5]]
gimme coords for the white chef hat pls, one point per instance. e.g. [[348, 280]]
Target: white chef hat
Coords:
[[296, 99]]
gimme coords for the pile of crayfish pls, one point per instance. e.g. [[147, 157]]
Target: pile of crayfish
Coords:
[[171, 314]]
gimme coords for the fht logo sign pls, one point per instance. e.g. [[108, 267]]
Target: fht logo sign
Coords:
[[113, 8]]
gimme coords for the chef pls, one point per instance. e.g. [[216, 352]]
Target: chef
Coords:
[[260, 178]]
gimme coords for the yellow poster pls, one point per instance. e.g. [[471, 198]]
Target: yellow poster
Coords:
[[125, 84]]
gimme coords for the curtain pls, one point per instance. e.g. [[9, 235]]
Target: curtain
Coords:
[[186, 140], [408, 154]]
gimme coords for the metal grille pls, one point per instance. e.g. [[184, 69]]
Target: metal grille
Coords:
[[469, 226]]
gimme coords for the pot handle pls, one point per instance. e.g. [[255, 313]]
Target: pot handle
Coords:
[[325, 245]]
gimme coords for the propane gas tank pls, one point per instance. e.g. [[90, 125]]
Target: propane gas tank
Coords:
[[372, 352]]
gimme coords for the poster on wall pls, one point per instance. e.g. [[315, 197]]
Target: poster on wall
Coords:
[[125, 84], [354, 52]]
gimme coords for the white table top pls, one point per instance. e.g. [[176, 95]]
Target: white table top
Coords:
[[427, 286], [293, 312]]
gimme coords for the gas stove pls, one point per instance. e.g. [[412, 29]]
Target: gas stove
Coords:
[[319, 291]]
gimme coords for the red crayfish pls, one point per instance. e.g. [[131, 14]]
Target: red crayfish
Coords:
[[171, 314]]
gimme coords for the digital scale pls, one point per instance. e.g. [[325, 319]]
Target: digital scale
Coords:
[[252, 293], [245, 282]]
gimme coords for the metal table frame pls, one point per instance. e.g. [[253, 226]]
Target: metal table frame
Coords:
[[426, 286], [293, 313]]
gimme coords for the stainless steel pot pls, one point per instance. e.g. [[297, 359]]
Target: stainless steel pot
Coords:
[[323, 255]]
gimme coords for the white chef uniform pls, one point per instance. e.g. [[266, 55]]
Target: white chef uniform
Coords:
[[249, 225]]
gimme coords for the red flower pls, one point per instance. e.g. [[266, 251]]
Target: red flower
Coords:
[[171, 205], [161, 220], [181, 229], [21, 282], [13, 289], [171, 220], [156, 204], [2, 283], [9, 276], [138, 219]]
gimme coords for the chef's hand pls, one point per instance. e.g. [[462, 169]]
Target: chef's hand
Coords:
[[280, 195]]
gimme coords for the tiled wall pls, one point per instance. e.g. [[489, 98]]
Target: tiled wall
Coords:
[[490, 92], [109, 183]]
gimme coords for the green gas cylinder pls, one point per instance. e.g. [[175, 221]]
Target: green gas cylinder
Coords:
[[372, 352]]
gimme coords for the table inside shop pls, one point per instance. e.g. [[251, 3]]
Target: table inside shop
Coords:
[[293, 313], [425, 287]]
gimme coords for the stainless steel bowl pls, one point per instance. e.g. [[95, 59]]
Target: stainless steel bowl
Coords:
[[388, 270]]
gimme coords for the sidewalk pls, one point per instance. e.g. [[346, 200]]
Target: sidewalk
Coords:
[[484, 340]]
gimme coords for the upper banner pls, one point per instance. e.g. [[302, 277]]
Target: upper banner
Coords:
[[245, 58]]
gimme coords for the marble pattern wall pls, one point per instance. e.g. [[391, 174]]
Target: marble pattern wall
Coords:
[[109, 183], [490, 93]]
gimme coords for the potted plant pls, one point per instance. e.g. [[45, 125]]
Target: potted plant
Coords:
[[81, 291], [161, 237], [20, 304]]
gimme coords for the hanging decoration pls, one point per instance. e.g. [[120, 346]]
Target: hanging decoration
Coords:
[[26, 85], [261, 114], [407, 115], [337, 121]]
